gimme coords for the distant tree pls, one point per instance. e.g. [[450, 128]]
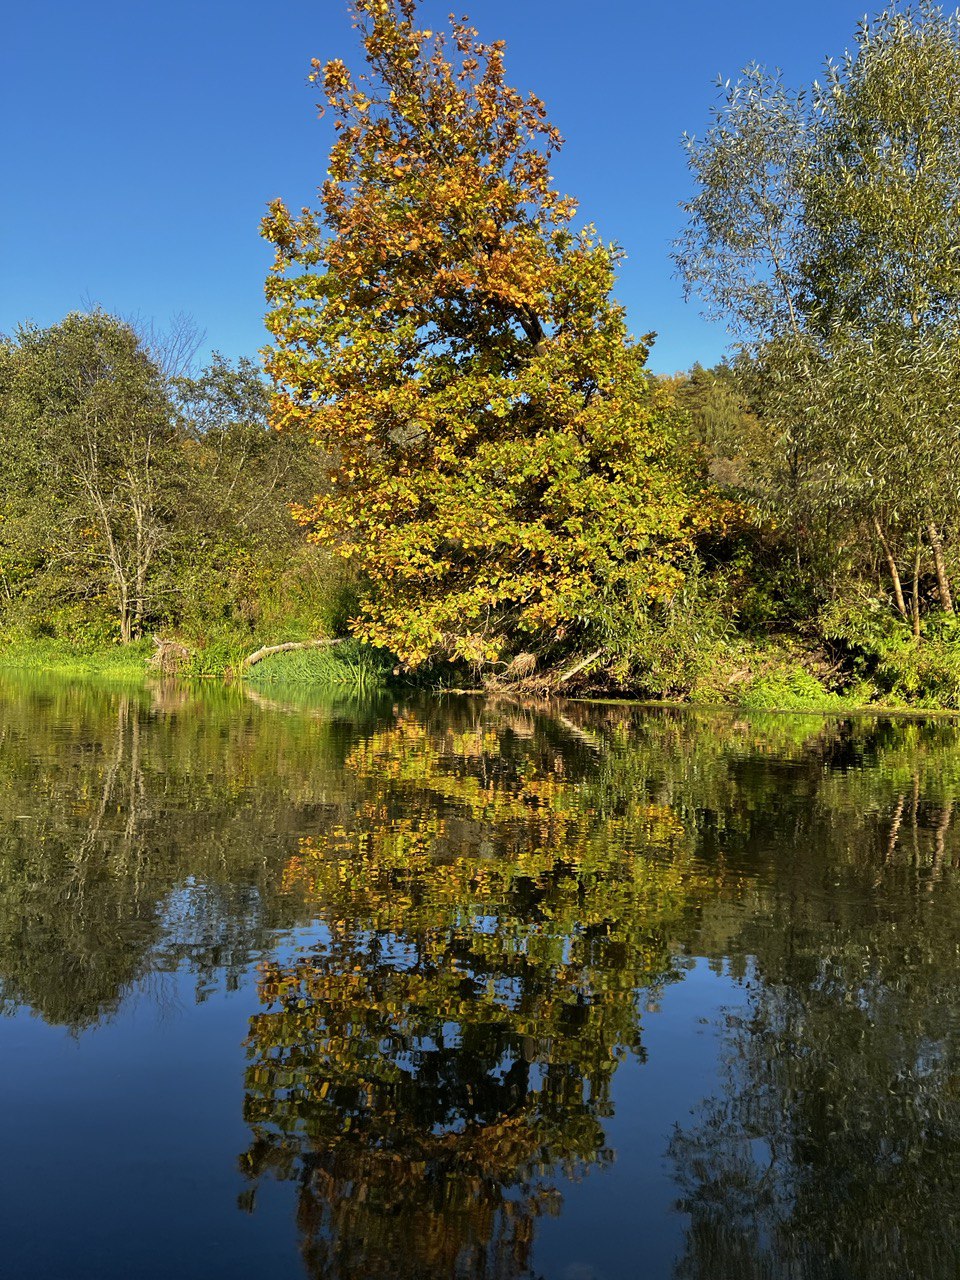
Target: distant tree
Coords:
[[506, 473], [239, 552], [241, 463], [724, 423], [90, 433], [134, 499]]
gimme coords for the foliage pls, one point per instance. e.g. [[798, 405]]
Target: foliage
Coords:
[[246, 569], [743, 246], [505, 474], [824, 225], [134, 500], [919, 672], [723, 423], [666, 653], [791, 688], [89, 487]]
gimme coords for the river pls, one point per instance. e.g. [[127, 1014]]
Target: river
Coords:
[[454, 987]]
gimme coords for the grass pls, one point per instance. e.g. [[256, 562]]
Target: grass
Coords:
[[347, 666], [58, 657]]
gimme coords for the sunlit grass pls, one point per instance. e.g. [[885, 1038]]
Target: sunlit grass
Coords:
[[347, 666], [57, 657]]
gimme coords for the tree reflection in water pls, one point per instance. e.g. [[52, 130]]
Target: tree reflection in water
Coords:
[[430, 1069], [142, 829], [831, 1148], [498, 912], [496, 895]]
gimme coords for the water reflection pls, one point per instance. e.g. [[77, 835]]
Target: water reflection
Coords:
[[499, 911], [428, 1070], [456, 921], [831, 1146], [142, 829]]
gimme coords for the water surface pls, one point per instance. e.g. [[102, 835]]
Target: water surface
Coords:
[[463, 988]]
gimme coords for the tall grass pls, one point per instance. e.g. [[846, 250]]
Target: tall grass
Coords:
[[61, 658], [349, 666]]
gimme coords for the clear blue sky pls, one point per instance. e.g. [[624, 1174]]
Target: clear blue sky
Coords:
[[142, 141]]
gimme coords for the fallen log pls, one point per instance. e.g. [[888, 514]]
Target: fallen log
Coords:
[[270, 649], [579, 666]]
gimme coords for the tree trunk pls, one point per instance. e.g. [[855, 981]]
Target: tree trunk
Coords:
[[138, 600], [915, 601], [940, 840], [943, 582], [579, 666], [894, 571]]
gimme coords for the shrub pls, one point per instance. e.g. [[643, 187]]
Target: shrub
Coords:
[[924, 670], [789, 688]]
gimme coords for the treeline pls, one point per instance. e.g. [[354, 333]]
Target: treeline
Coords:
[[138, 497], [486, 481], [824, 230]]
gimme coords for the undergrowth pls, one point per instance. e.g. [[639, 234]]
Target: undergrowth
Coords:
[[922, 671]]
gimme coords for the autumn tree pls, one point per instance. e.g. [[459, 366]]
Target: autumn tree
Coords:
[[506, 474]]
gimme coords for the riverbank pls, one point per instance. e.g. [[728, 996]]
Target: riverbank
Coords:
[[776, 675], [57, 657], [348, 664]]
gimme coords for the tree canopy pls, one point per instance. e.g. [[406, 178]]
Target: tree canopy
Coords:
[[824, 229], [505, 475]]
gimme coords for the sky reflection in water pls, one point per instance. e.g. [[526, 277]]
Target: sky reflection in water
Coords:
[[463, 988]]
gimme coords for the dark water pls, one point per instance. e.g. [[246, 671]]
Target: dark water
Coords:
[[467, 989]]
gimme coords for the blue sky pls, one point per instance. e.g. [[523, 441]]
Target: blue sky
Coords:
[[143, 141]]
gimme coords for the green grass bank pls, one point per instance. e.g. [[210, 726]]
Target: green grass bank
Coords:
[[775, 674]]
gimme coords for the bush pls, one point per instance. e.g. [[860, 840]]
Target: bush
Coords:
[[668, 652], [923, 671], [789, 688]]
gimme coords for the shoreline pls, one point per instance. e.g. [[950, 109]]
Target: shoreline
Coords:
[[112, 664]]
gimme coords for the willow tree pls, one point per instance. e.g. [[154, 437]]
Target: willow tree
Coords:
[[506, 474], [824, 227]]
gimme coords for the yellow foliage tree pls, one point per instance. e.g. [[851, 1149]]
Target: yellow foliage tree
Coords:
[[506, 474]]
